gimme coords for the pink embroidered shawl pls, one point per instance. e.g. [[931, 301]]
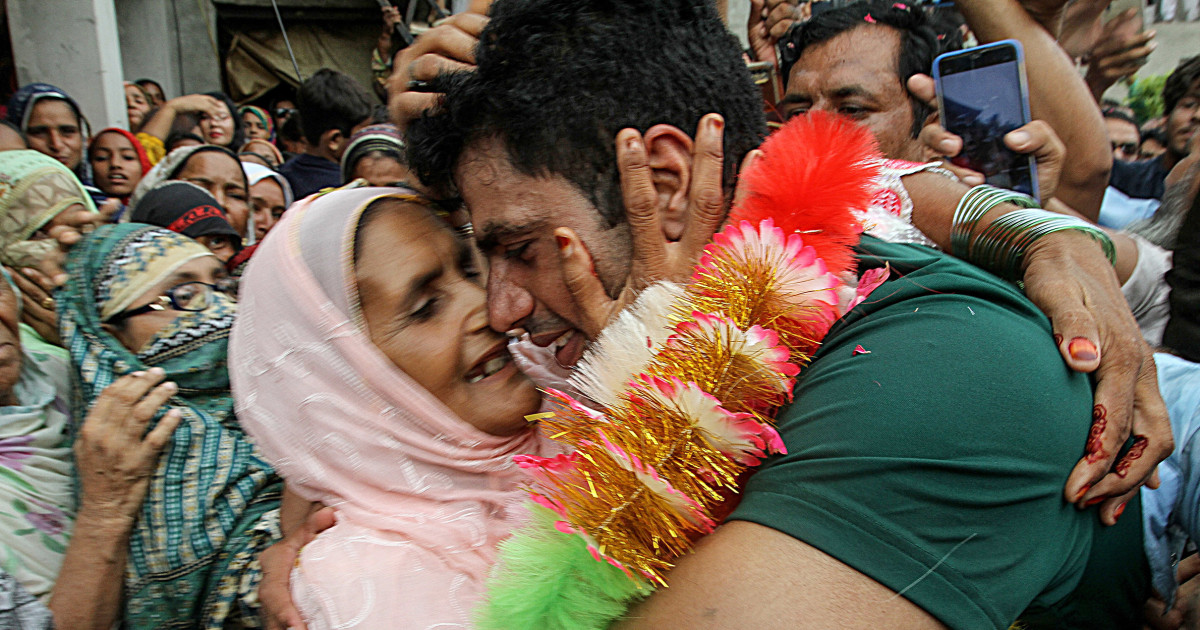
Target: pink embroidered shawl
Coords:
[[422, 497]]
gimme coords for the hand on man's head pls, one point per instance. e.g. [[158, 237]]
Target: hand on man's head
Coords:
[[449, 46]]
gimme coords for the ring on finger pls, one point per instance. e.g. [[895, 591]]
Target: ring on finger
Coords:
[[48, 303]]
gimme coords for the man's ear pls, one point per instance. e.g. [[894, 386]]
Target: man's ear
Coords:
[[669, 156], [333, 140]]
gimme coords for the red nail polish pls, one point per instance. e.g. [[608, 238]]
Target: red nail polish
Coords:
[[563, 242], [1082, 349], [1093, 501], [1119, 511], [717, 123], [1082, 491]]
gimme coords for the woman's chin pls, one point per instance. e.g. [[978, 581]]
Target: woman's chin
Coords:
[[506, 407]]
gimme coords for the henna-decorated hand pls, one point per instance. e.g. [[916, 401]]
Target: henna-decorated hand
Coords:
[[1069, 278]]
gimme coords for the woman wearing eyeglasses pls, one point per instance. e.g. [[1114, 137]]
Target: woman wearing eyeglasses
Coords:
[[141, 297]]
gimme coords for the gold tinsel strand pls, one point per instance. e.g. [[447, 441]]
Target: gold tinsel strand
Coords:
[[630, 523]]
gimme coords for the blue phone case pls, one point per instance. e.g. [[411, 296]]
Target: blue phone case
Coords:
[[1022, 87]]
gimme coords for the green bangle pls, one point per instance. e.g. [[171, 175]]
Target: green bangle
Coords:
[[1001, 246], [977, 202]]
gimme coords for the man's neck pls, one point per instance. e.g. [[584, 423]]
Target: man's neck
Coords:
[[320, 153], [1170, 159]]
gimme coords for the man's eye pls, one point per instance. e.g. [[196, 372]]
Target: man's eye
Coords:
[[517, 251], [852, 110], [792, 113]]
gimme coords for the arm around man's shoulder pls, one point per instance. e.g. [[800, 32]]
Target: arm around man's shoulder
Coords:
[[927, 449]]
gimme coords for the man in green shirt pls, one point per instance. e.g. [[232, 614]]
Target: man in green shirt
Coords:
[[925, 481]]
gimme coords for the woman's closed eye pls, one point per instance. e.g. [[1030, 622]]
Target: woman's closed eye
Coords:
[[427, 309]]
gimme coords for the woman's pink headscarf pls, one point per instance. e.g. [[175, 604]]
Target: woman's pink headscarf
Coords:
[[423, 498]]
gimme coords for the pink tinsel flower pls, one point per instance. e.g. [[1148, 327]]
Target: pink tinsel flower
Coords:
[[738, 436], [801, 278]]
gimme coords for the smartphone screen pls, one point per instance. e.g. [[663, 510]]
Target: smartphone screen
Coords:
[[982, 96]]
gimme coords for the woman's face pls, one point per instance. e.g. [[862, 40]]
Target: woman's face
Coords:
[[260, 151], [381, 170], [54, 130], [423, 302], [136, 105], [217, 129], [223, 178], [156, 95], [137, 331], [220, 246], [255, 129], [115, 164], [266, 198]]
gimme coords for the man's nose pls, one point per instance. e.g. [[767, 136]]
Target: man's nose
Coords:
[[508, 304]]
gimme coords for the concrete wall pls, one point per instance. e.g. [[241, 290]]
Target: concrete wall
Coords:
[[72, 44], [148, 42], [170, 41]]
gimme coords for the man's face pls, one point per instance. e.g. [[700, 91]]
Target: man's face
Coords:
[[1124, 137], [1184, 120], [514, 216], [855, 74]]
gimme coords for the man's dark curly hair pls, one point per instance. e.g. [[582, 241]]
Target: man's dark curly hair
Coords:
[[1177, 85], [557, 79], [922, 39]]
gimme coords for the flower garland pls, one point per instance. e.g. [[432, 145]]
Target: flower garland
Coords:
[[680, 391]]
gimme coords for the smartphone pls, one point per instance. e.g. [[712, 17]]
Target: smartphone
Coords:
[[982, 95]]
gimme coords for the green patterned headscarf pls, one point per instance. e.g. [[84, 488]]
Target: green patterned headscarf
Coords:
[[211, 505], [34, 188]]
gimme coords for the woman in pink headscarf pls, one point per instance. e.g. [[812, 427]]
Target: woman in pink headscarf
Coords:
[[363, 366]]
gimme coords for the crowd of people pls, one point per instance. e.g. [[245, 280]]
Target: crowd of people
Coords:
[[277, 365]]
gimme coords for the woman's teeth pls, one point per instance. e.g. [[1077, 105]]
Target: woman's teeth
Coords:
[[563, 340], [490, 368]]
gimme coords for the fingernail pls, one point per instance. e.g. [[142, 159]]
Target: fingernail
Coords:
[[1119, 511], [138, 374], [717, 123], [946, 146], [634, 143], [973, 180], [1018, 137], [1082, 349], [1093, 501], [157, 371], [1082, 491], [564, 245], [170, 385]]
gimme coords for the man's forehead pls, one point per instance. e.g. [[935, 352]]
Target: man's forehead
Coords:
[[503, 200], [866, 56], [868, 49]]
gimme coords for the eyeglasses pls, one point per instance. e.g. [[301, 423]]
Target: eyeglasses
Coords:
[[188, 296], [284, 112]]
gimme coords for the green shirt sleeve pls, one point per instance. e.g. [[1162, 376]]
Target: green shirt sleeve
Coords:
[[934, 462]]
